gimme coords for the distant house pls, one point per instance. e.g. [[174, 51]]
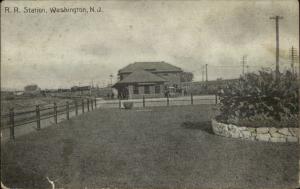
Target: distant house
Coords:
[[149, 79], [81, 90], [32, 90]]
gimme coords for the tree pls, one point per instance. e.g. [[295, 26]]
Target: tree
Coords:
[[186, 76]]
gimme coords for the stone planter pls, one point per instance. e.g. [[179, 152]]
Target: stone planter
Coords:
[[267, 134], [128, 105]]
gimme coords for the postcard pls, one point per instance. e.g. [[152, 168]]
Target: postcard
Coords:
[[150, 94]]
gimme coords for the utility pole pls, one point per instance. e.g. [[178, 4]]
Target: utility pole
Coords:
[[244, 63], [276, 18], [206, 72], [202, 70], [293, 57], [111, 78], [90, 88]]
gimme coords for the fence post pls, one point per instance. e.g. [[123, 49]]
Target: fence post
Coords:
[[88, 104], [95, 103], [76, 107], [92, 104], [82, 103], [38, 117], [144, 102], [168, 100], [192, 100], [55, 113], [216, 98], [120, 106], [12, 123], [67, 110]]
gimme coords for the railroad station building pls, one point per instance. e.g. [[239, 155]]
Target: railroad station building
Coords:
[[149, 79]]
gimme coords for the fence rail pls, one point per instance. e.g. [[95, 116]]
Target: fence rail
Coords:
[[19, 118]]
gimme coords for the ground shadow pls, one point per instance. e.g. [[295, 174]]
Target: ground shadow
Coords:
[[204, 126]]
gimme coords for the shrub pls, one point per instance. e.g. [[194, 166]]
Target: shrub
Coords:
[[262, 120], [260, 95]]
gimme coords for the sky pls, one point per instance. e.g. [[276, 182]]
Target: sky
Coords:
[[67, 49]]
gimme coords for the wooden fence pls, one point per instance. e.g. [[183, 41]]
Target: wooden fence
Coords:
[[17, 118]]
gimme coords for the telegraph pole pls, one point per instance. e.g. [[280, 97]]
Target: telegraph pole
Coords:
[[244, 63], [202, 70], [206, 72], [293, 57], [111, 78], [276, 18], [91, 85]]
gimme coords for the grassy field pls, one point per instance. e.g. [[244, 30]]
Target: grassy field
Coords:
[[29, 103], [158, 147]]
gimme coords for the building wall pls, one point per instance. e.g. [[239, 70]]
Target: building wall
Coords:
[[30, 88], [130, 91], [152, 93]]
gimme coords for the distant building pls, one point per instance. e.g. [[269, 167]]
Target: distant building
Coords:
[[81, 90], [32, 90], [7, 95], [104, 92], [206, 87], [149, 79]]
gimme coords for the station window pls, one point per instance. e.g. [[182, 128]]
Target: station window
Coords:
[[135, 89], [147, 89], [157, 89]]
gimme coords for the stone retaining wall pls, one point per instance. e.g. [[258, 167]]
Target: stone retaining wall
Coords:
[[270, 134]]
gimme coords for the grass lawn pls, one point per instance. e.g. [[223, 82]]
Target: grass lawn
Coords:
[[159, 147], [29, 103]]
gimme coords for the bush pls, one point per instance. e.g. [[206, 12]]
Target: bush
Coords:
[[262, 120], [260, 95]]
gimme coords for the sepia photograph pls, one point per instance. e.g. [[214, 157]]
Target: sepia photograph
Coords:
[[162, 94]]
